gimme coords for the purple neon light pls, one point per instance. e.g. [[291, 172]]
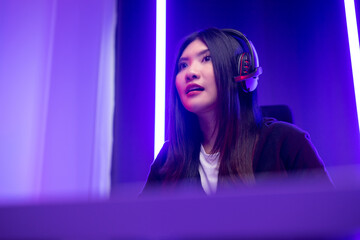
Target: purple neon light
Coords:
[[160, 75], [354, 49]]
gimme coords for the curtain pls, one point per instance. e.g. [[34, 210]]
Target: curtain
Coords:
[[56, 98]]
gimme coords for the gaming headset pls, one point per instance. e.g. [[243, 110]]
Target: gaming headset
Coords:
[[247, 62]]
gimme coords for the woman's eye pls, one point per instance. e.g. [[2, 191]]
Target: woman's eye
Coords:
[[182, 65], [207, 58]]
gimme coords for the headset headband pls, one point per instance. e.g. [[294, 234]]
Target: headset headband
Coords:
[[255, 71]]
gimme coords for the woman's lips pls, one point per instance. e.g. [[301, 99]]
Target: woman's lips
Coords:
[[192, 88]]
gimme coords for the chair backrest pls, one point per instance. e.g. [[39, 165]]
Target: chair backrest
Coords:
[[279, 112]]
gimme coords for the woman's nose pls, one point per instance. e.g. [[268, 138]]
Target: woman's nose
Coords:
[[192, 74]]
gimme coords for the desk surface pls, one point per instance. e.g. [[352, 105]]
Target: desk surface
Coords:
[[272, 212]]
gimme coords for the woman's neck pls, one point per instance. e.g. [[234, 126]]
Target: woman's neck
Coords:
[[209, 130]]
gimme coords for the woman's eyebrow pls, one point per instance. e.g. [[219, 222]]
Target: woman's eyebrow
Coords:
[[203, 52], [198, 54]]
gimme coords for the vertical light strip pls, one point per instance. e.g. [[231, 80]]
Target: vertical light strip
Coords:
[[160, 75], [354, 50]]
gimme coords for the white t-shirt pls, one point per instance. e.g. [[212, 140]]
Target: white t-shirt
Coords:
[[209, 171]]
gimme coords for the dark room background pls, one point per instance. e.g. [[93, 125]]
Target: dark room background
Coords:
[[303, 50]]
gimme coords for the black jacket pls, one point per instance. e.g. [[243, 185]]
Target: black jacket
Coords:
[[282, 150]]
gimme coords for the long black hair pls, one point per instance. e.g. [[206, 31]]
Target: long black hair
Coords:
[[237, 118]]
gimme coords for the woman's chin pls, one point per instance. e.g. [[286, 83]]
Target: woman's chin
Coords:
[[199, 109]]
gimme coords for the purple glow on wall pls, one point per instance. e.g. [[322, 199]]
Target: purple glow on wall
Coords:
[[56, 98], [26, 49]]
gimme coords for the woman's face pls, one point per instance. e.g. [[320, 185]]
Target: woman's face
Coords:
[[195, 81]]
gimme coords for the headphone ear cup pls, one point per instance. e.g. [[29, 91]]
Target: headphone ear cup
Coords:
[[250, 84], [244, 68], [248, 69]]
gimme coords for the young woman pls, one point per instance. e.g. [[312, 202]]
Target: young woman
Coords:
[[217, 135]]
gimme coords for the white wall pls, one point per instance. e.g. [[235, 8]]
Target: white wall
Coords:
[[56, 97]]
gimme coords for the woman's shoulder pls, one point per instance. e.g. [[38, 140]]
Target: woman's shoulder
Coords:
[[289, 144], [282, 131], [273, 125], [284, 146]]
